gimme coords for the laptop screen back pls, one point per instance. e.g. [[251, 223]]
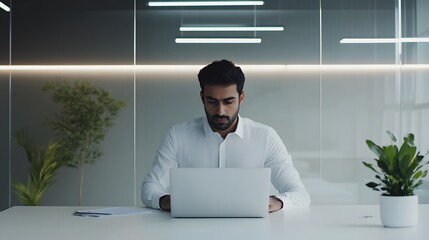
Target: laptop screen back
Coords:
[[219, 192]]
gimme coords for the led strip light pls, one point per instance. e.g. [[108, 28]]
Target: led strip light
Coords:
[[176, 68]]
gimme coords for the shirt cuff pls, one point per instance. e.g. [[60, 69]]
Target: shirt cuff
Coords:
[[155, 200]]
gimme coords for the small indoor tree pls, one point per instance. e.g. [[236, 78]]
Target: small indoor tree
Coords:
[[86, 113]]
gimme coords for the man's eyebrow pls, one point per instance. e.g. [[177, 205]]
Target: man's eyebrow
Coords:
[[226, 99], [229, 98]]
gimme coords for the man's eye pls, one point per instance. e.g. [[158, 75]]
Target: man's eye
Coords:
[[229, 102]]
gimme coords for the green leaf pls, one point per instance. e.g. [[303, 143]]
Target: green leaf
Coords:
[[391, 135], [418, 175], [390, 153], [412, 168], [425, 173], [409, 139], [404, 163], [407, 149], [383, 166], [370, 166], [372, 185], [374, 148]]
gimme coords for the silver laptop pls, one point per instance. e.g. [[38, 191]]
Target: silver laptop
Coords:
[[219, 192]]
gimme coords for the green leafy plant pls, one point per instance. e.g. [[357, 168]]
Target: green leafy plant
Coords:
[[398, 170], [87, 112], [44, 162]]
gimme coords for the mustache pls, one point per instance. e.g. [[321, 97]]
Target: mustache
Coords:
[[219, 117]]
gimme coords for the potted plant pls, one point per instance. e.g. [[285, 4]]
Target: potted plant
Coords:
[[43, 164], [399, 171], [87, 112]]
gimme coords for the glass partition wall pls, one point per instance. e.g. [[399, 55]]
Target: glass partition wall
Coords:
[[323, 97]]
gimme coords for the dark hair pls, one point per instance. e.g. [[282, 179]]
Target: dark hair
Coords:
[[221, 72]]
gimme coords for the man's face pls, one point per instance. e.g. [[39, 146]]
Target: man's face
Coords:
[[221, 104]]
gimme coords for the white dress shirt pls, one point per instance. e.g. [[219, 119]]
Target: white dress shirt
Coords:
[[252, 145]]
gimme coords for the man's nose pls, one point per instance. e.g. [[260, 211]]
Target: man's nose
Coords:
[[221, 109]]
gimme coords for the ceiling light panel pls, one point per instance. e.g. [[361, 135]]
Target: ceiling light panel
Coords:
[[230, 29], [383, 40], [4, 7], [203, 3], [218, 40]]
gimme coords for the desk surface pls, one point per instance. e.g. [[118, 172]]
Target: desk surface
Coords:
[[317, 222]]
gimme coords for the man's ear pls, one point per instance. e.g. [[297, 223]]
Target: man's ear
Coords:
[[241, 97], [202, 96]]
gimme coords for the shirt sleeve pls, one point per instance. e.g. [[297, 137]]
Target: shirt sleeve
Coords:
[[284, 176], [155, 184]]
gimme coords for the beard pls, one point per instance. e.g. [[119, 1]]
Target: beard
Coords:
[[223, 122]]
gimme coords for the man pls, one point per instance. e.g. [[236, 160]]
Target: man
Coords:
[[224, 139]]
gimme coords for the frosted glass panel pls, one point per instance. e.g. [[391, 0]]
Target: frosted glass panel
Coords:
[[357, 19], [415, 116], [162, 100], [299, 43], [355, 107], [110, 180], [82, 32]]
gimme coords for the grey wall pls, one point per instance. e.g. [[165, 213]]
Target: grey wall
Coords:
[[4, 111], [324, 118], [4, 141]]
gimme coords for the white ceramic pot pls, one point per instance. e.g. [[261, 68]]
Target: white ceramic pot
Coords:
[[399, 211]]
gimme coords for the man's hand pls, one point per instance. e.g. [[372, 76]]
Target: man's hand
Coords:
[[164, 203], [275, 204]]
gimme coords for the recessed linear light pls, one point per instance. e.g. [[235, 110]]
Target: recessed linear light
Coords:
[[204, 3], [231, 28], [218, 40], [343, 67], [383, 40], [176, 68], [354, 67], [126, 68], [6, 8]]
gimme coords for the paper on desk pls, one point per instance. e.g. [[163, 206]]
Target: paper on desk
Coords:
[[111, 211]]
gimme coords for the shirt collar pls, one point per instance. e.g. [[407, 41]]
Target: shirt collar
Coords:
[[238, 131]]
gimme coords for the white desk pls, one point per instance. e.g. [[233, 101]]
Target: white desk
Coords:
[[359, 222]]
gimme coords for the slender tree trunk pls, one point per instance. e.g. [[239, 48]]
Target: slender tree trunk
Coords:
[[81, 176]]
